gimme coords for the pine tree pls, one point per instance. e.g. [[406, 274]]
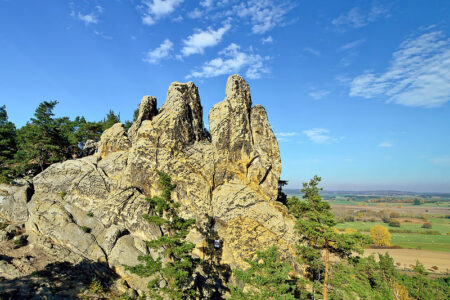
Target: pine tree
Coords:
[[110, 119], [40, 142], [172, 271], [7, 144], [267, 278], [315, 227]]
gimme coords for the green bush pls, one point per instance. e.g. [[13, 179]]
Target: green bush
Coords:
[[62, 194], [86, 229], [427, 225], [394, 214], [394, 223], [90, 214]]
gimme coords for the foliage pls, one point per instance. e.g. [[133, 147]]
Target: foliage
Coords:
[[281, 196], [90, 214], [380, 235], [7, 145], [267, 278], [365, 278], [41, 141], [110, 119], [427, 225], [394, 223], [172, 270], [96, 286], [86, 229], [418, 201], [315, 227]]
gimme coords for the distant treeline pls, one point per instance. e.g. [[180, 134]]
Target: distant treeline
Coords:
[[45, 140]]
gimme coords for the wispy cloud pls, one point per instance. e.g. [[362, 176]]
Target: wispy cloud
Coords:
[[232, 60], [157, 9], [320, 136], [352, 45], [267, 40], [385, 144], [201, 39], [418, 75], [312, 51], [162, 52], [318, 94], [443, 161], [90, 18], [262, 14], [285, 136], [195, 14], [207, 3], [101, 34], [356, 18]]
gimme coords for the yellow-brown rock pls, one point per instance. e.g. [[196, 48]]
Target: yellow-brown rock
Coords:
[[229, 175]]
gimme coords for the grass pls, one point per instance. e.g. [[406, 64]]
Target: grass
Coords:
[[421, 241], [411, 240], [441, 225]]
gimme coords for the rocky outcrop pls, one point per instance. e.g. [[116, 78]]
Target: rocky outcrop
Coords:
[[93, 205], [13, 200]]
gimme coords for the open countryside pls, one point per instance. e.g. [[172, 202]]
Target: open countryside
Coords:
[[411, 240]]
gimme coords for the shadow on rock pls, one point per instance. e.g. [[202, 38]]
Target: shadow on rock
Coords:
[[211, 282], [61, 280]]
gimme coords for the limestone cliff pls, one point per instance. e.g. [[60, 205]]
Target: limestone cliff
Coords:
[[228, 175]]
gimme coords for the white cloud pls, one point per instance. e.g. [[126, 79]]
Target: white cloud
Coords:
[[419, 74], [267, 40], [195, 14], [385, 144], [206, 3], [319, 136], [197, 42], [312, 51], [318, 94], [157, 9], [352, 45], [287, 134], [356, 18], [443, 161], [162, 52], [178, 19], [233, 60], [91, 18], [263, 14], [101, 34]]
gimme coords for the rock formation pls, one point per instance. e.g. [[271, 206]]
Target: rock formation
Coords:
[[228, 175]]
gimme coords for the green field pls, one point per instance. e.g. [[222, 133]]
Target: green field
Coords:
[[422, 241], [412, 240]]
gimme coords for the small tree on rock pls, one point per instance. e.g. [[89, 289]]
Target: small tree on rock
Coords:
[[173, 269]]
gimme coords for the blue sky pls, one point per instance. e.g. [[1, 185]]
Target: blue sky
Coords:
[[357, 91]]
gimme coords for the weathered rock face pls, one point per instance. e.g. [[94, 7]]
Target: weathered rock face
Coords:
[[13, 200], [94, 205]]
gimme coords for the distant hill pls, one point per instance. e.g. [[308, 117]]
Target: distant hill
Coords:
[[391, 193]]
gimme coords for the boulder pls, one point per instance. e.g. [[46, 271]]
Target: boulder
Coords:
[[90, 147], [13, 200]]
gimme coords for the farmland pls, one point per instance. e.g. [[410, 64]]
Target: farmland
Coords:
[[410, 239]]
